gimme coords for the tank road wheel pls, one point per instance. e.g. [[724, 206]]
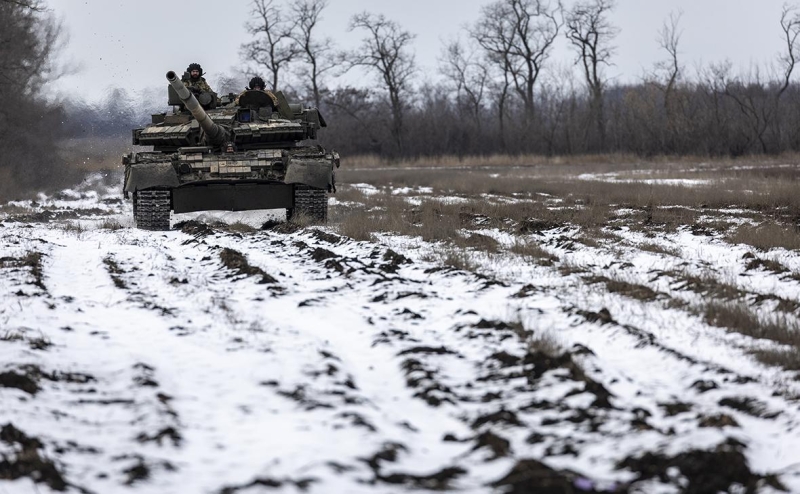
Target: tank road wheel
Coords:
[[151, 209], [310, 204]]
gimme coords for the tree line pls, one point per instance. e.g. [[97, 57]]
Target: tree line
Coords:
[[501, 91], [30, 125]]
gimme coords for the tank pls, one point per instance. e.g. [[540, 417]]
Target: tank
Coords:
[[229, 153]]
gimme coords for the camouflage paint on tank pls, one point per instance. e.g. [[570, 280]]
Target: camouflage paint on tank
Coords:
[[232, 156]]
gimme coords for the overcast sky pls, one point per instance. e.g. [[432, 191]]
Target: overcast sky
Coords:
[[133, 43]]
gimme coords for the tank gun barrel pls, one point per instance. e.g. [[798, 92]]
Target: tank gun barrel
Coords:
[[216, 134]]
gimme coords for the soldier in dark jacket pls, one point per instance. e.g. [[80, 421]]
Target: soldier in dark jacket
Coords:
[[194, 80], [257, 84]]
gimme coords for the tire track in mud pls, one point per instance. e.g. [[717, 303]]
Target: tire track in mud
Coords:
[[388, 418], [713, 403], [330, 388], [413, 377], [633, 418]]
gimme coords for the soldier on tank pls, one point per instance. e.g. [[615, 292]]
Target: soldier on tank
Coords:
[[194, 80], [257, 84]]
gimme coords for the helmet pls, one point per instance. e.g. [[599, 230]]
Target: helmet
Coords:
[[257, 81], [194, 66]]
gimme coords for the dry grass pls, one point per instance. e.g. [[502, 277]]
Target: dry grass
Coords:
[[596, 162], [531, 251], [478, 242], [435, 221], [766, 236], [759, 189], [546, 343], [31, 260], [532, 196], [239, 227], [349, 194], [766, 264], [787, 358], [75, 227], [454, 257], [659, 249], [378, 213], [707, 285], [495, 160], [110, 224], [623, 287], [740, 318], [536, 197], [12, 335], [358, 225], [568, 269]]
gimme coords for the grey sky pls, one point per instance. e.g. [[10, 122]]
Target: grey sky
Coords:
[[133, 43]]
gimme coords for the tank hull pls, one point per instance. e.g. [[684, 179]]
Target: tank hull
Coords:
[[231, 196], [244, 153]]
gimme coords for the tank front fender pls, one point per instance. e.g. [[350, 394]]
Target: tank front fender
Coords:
[[316, 172], [145, 175]]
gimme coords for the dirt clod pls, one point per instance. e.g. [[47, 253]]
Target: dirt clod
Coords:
[[194, 228], [532, 476], [326, 237], [393, 261], [11, 379], [499, 446], [718, 421], [236, 262], [28, 462], [714, 470]]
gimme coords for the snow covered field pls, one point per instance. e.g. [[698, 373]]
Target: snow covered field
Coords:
[[222, 358]]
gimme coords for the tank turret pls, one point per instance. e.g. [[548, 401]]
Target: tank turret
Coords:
[[216, 134], [234, 153]]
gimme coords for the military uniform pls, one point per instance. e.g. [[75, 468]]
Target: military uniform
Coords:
[[199, 83]]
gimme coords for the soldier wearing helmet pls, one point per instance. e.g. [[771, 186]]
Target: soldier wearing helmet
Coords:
[[257, 84], [194, 80]]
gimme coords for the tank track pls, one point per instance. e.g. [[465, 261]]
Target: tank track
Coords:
[[151, 209], [310, 204]]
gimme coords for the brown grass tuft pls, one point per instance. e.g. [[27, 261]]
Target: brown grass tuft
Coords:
[[239, 227], [454, 257], [788, 358], [622, 287], [531, 251], [72, 227], [740, 318], [357, 225], [659, 249], [110, 224], [766, 236], [705, 284]]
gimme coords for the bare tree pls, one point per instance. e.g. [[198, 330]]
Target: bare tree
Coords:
[[386, 50], [759, 105], [519, 35], [469, 75], [29, 124], [496, 36], [34, 5], [790, 26], [28, 44], [273, 46], [591, 33], [669, 37], [318, 54], [667, 73]]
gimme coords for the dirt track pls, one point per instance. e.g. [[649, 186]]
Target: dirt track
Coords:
[[211, 360]]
